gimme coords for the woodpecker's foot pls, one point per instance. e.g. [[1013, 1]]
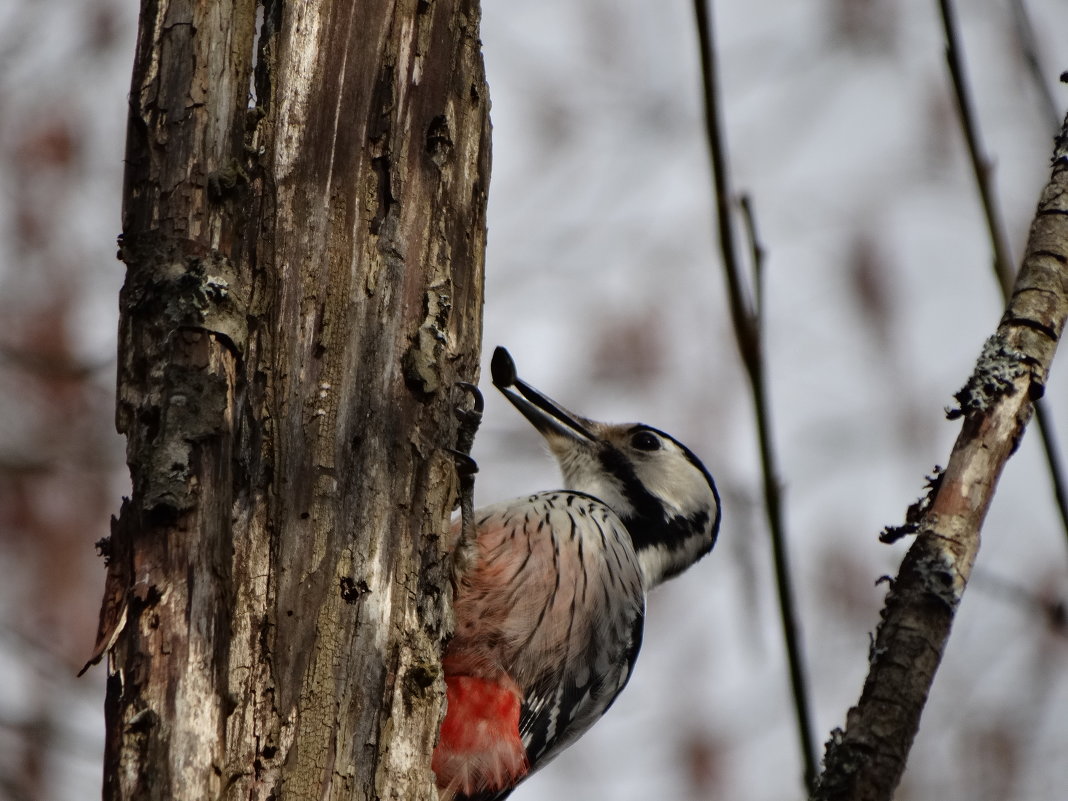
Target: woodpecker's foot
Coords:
[[466, 467], [469, 417], [463, 546]]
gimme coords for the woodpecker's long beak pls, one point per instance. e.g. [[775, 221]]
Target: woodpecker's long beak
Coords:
[[548, 416]]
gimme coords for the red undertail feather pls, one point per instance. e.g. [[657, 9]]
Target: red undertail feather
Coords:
[[479, 747]]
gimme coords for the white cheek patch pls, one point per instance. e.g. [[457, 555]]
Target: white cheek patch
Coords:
[[675, 482]]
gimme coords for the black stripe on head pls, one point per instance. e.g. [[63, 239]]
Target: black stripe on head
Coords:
[[649, 524], [648, 513]]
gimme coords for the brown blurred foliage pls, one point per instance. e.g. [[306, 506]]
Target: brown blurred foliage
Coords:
[[61, 469]]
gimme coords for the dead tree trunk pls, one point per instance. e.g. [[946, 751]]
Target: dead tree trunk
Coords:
[[304, 286]]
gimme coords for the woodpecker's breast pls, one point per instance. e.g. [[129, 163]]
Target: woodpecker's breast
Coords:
[[554, 573], [552, 604]]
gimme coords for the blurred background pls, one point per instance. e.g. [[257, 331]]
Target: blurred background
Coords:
[[603, 279]]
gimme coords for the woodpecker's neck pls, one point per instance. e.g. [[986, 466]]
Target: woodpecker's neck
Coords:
[[667, 547]]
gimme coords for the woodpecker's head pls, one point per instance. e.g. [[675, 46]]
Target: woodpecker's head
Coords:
[[657, 486]]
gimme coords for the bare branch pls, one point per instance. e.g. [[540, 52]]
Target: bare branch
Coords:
[[748, 334], [981, 165], [756, 254]]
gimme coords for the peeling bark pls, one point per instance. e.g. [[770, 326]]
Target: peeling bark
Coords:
[[865, 762], [304, 288]]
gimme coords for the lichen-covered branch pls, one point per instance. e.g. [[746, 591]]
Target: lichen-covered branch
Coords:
[[866, 760]]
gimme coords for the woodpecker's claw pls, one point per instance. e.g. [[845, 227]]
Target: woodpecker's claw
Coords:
[[469, 418], [477, 401], [465, 465]]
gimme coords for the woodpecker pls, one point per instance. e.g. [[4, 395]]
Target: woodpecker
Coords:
[[550, 591]]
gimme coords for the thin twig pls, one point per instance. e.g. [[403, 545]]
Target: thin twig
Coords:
[[999, 239], [1025, 33], [981, 166], [747, 330], [1053, 460], [756, 254]]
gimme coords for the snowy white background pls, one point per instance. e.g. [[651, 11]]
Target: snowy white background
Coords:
[[603, 280]]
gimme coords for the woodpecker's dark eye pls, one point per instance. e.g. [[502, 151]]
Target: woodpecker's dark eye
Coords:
[[645, 441]]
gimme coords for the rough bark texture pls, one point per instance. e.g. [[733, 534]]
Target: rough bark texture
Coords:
[[304, 286], [866, 761]]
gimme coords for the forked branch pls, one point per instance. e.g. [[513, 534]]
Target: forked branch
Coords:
[[746, 316]]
